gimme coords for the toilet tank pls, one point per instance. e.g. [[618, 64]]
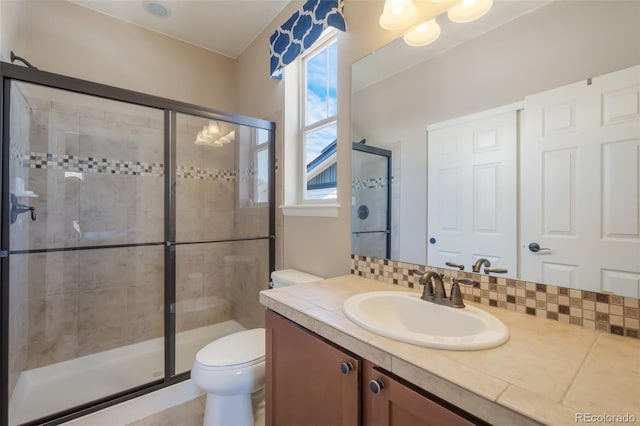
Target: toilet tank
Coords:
[[287, 277]]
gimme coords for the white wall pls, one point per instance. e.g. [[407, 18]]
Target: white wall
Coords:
[[558, 44], [62, 37]]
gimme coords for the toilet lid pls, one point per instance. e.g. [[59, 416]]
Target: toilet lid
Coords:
[[234, 349]]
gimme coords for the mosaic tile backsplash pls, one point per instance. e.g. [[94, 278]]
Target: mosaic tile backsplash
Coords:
[[596, 311]]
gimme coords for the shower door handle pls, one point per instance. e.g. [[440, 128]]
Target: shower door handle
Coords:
[[17, 208]]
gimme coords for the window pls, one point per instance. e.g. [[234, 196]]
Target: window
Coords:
[[261, 161], [318, 128]]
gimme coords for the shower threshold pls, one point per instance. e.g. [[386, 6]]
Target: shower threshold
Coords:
[[56, 387]]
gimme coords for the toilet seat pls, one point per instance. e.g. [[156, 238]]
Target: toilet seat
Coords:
[[236, 350]]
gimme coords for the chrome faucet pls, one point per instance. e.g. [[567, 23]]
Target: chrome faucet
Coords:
[[434, 289], [478, 265]]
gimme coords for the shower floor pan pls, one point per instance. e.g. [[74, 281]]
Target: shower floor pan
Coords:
[[56, 387]]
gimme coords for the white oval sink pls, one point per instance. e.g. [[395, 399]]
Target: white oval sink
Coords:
[[406, 317]]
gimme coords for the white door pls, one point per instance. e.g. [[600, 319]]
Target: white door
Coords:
[[580, 171], [472, 184]]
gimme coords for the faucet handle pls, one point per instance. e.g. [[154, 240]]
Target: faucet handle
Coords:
[[465, 281], [495, 271], [456, 294], [455, 265], [417, 272]]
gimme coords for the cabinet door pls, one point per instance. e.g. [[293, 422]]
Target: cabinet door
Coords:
[[306, 382], [399, 405]]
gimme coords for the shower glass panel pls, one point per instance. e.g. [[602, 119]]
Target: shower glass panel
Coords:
[[371, 207], [222, 231], [86, 249], [217, 286]]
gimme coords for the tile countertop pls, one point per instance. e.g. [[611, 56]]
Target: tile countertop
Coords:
[[547, 372]]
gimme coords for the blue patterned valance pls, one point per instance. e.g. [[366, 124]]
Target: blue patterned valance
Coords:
[[302, 30]]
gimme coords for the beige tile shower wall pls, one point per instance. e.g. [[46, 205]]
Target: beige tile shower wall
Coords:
[[18, 292], [596, 311], [83, 164], [79, 204], [202, 291], [246, 274], [87, 301], [204, 206]]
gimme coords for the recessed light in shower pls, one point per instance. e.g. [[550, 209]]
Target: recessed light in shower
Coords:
[[156, 9]]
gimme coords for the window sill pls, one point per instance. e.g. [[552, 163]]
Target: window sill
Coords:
[[317, 210]]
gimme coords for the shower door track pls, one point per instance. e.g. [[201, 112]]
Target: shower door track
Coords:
[[11, 72]]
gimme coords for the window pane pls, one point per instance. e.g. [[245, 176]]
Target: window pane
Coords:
[[262, 136], [262, 177], [332, 88], [321, 85], [320, 160]]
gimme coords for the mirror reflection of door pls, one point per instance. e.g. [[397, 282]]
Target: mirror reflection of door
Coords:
[[472, 182], [581, 170], [371, 201]]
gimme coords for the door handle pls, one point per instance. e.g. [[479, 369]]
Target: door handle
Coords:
[[535, 247]]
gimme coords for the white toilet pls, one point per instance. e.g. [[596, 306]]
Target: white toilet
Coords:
[[231, 368]]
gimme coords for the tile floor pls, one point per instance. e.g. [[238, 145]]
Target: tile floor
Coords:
[[190, 413]]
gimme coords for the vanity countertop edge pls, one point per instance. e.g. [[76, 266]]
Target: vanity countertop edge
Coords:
[[547, 372]]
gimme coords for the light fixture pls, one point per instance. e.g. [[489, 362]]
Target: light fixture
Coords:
[[208, 136], [156, 8], [398, 14], [211, 129], [423, 34], [469, 10]]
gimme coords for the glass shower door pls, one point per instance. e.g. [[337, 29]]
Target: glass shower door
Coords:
[[371, 201], [86, 316], [221, 231]]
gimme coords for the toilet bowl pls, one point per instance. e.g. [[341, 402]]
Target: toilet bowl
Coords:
[[232, 368]]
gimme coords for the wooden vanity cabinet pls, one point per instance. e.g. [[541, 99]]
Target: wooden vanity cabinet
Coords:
[[313, 382], [386, 401], [309, 381]]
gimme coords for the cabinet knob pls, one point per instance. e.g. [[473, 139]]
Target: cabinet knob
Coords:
[[346, 367], [376, 386]]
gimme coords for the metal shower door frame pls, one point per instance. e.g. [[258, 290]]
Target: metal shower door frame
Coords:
[[355, 146], [10, 73]]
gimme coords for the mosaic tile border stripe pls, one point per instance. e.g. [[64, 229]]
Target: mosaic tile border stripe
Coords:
[[74, 163], [596, 311], [372, 183]]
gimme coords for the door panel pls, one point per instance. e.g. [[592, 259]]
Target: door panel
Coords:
[[580, 171], [304, 383], [472, 182], [398, 405]]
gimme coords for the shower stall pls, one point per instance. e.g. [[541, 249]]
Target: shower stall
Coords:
[[371, 201], [134, 231]]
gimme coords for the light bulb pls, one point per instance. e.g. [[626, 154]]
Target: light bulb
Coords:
[[213, 128], [423, 34], [397, 10], [469, 10], [398, 14]]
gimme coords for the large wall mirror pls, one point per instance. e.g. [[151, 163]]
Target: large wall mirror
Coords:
[[537, 79]]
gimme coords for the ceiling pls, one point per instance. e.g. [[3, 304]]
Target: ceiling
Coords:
[[397, 56], [226, 27]]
